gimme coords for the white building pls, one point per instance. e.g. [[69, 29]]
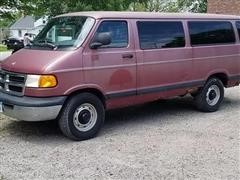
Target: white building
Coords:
[[39, 24], [27, 24]]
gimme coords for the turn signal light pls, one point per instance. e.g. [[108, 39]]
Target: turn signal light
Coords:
[[47, 81]]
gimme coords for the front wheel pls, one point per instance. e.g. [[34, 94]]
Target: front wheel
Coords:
[[210, 96], [82, 117]]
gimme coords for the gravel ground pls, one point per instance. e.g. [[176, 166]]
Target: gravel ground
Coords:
[[160, 140]]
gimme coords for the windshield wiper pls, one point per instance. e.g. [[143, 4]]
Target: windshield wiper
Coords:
[[45, 43]]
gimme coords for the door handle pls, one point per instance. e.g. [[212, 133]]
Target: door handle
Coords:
[[127, 56]]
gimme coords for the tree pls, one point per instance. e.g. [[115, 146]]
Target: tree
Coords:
[[173, 6], [10, 8], [6, 8], [53, 7], [13, 9], [199, 6]]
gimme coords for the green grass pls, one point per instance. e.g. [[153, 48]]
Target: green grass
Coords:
[[1, 177], [3, 48]]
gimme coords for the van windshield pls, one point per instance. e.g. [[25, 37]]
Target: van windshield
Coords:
[[63, 32]]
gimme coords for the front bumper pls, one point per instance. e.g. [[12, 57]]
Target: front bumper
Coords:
[[31, 108]]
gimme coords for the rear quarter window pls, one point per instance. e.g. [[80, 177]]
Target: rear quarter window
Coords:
[[158, 35], [211, 32]]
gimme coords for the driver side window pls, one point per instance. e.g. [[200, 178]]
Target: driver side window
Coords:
[[118, 31]]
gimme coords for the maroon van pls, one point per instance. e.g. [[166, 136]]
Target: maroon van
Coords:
[[82, 64]]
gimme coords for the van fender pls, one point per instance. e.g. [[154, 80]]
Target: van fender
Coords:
[[217, 71], [84, 87]]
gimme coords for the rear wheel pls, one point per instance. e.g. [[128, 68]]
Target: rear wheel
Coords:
[[210, 96], [82, 117]]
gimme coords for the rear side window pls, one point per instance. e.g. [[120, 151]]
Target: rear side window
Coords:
[[157, 35], [211, 32], [238, 27], [118, 31]]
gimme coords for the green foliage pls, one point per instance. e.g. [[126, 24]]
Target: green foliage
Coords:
[[5, 22], [3, 48], [199, 6], [192, 5], [10, 10], [53, 7]]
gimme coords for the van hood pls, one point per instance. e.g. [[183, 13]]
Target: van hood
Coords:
[[31, 61]]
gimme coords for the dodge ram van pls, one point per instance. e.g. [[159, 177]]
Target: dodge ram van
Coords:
[[82, 64]]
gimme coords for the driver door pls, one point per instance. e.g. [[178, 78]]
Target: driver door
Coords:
[[112, 67]]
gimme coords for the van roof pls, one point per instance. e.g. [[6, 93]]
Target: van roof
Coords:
[[149, 15]]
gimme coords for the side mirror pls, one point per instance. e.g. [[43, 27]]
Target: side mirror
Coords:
[[100, 40]]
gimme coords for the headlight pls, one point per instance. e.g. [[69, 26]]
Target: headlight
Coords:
[[41, 81]]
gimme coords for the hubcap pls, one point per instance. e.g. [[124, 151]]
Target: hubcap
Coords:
[[85, 117], [213, 95]]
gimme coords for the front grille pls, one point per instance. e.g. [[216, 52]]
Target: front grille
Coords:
[[12, 83]]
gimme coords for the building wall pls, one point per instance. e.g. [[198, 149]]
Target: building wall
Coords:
[[224, 7], [18, 33]]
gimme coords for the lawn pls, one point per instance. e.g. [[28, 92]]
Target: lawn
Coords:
[[3, 48]]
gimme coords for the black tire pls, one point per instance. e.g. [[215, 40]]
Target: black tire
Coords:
[[213, 91], [66, 120]]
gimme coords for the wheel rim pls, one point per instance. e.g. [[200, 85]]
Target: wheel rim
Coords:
[[85, 117], [213, 95]]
